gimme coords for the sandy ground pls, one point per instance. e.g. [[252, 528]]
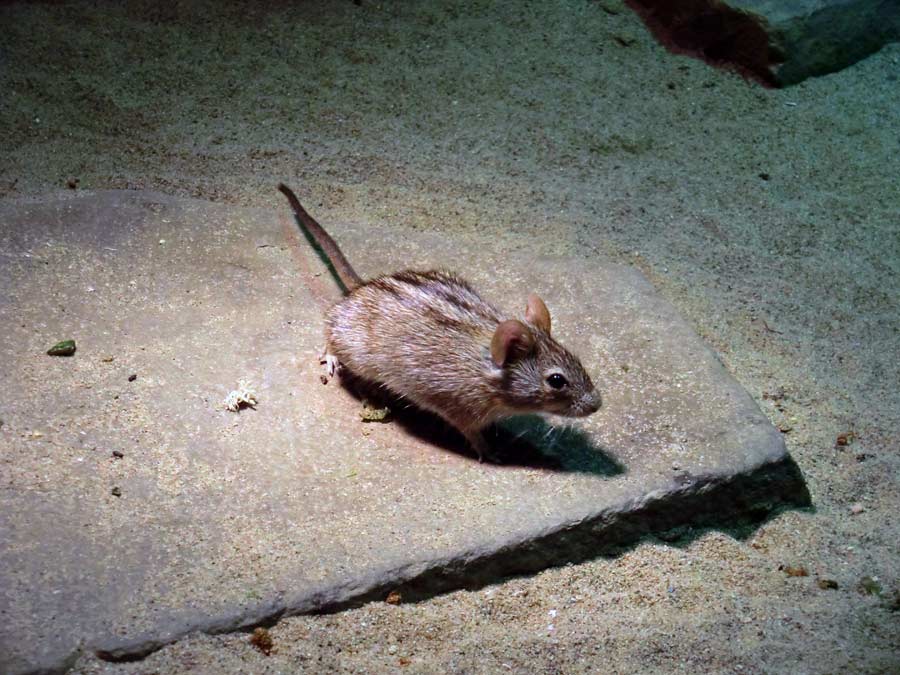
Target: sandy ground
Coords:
[[771, 219]]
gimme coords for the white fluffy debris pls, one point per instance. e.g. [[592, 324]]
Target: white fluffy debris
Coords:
[[243, 396]]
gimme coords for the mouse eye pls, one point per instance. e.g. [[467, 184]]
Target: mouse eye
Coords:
[[556, 381]]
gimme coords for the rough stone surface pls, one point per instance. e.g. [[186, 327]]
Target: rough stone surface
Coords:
[[780, 43], [134, 510]]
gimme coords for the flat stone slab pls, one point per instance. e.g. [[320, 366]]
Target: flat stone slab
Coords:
[[780, 43], [134, 509]]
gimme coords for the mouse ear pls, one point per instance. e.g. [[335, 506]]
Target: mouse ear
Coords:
[[536, 313], [512, 340]]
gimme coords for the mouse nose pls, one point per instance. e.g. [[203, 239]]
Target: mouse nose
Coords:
[[593, 402]]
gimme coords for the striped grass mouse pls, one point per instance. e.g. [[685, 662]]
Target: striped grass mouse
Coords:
[[428, 337]]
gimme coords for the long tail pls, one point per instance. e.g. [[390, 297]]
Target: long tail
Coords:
[[342, 268]]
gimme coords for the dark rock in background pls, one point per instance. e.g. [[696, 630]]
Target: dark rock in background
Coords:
[[778, 43]]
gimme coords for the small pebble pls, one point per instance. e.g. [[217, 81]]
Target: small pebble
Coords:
[[394, 598], [856, 509], [132, 377], [116, 492], [118, 454], [827, 584]]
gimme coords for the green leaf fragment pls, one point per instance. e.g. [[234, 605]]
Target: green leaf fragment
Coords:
[[869, 586], [64, 348], [370, 414]]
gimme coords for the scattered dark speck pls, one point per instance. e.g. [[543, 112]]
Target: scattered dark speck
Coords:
[[827, 584], [893, 603], [116, 492], [794, 571], [132, 377], [118, 454], [262, 640], [764, 175], [844, 439]]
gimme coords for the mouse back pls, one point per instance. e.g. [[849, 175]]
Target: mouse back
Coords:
[[413, 326]]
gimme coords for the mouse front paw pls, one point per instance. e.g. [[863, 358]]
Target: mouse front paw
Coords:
[[330, 363]]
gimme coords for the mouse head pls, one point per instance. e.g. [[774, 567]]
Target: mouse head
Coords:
[[538, 373]]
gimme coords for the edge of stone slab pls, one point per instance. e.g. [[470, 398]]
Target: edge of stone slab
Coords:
[[773, 482], [712, 502]]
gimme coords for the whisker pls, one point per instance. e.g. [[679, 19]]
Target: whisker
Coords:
[[520, 435]]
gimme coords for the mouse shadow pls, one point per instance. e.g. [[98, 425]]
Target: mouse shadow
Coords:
[[524, 441]]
